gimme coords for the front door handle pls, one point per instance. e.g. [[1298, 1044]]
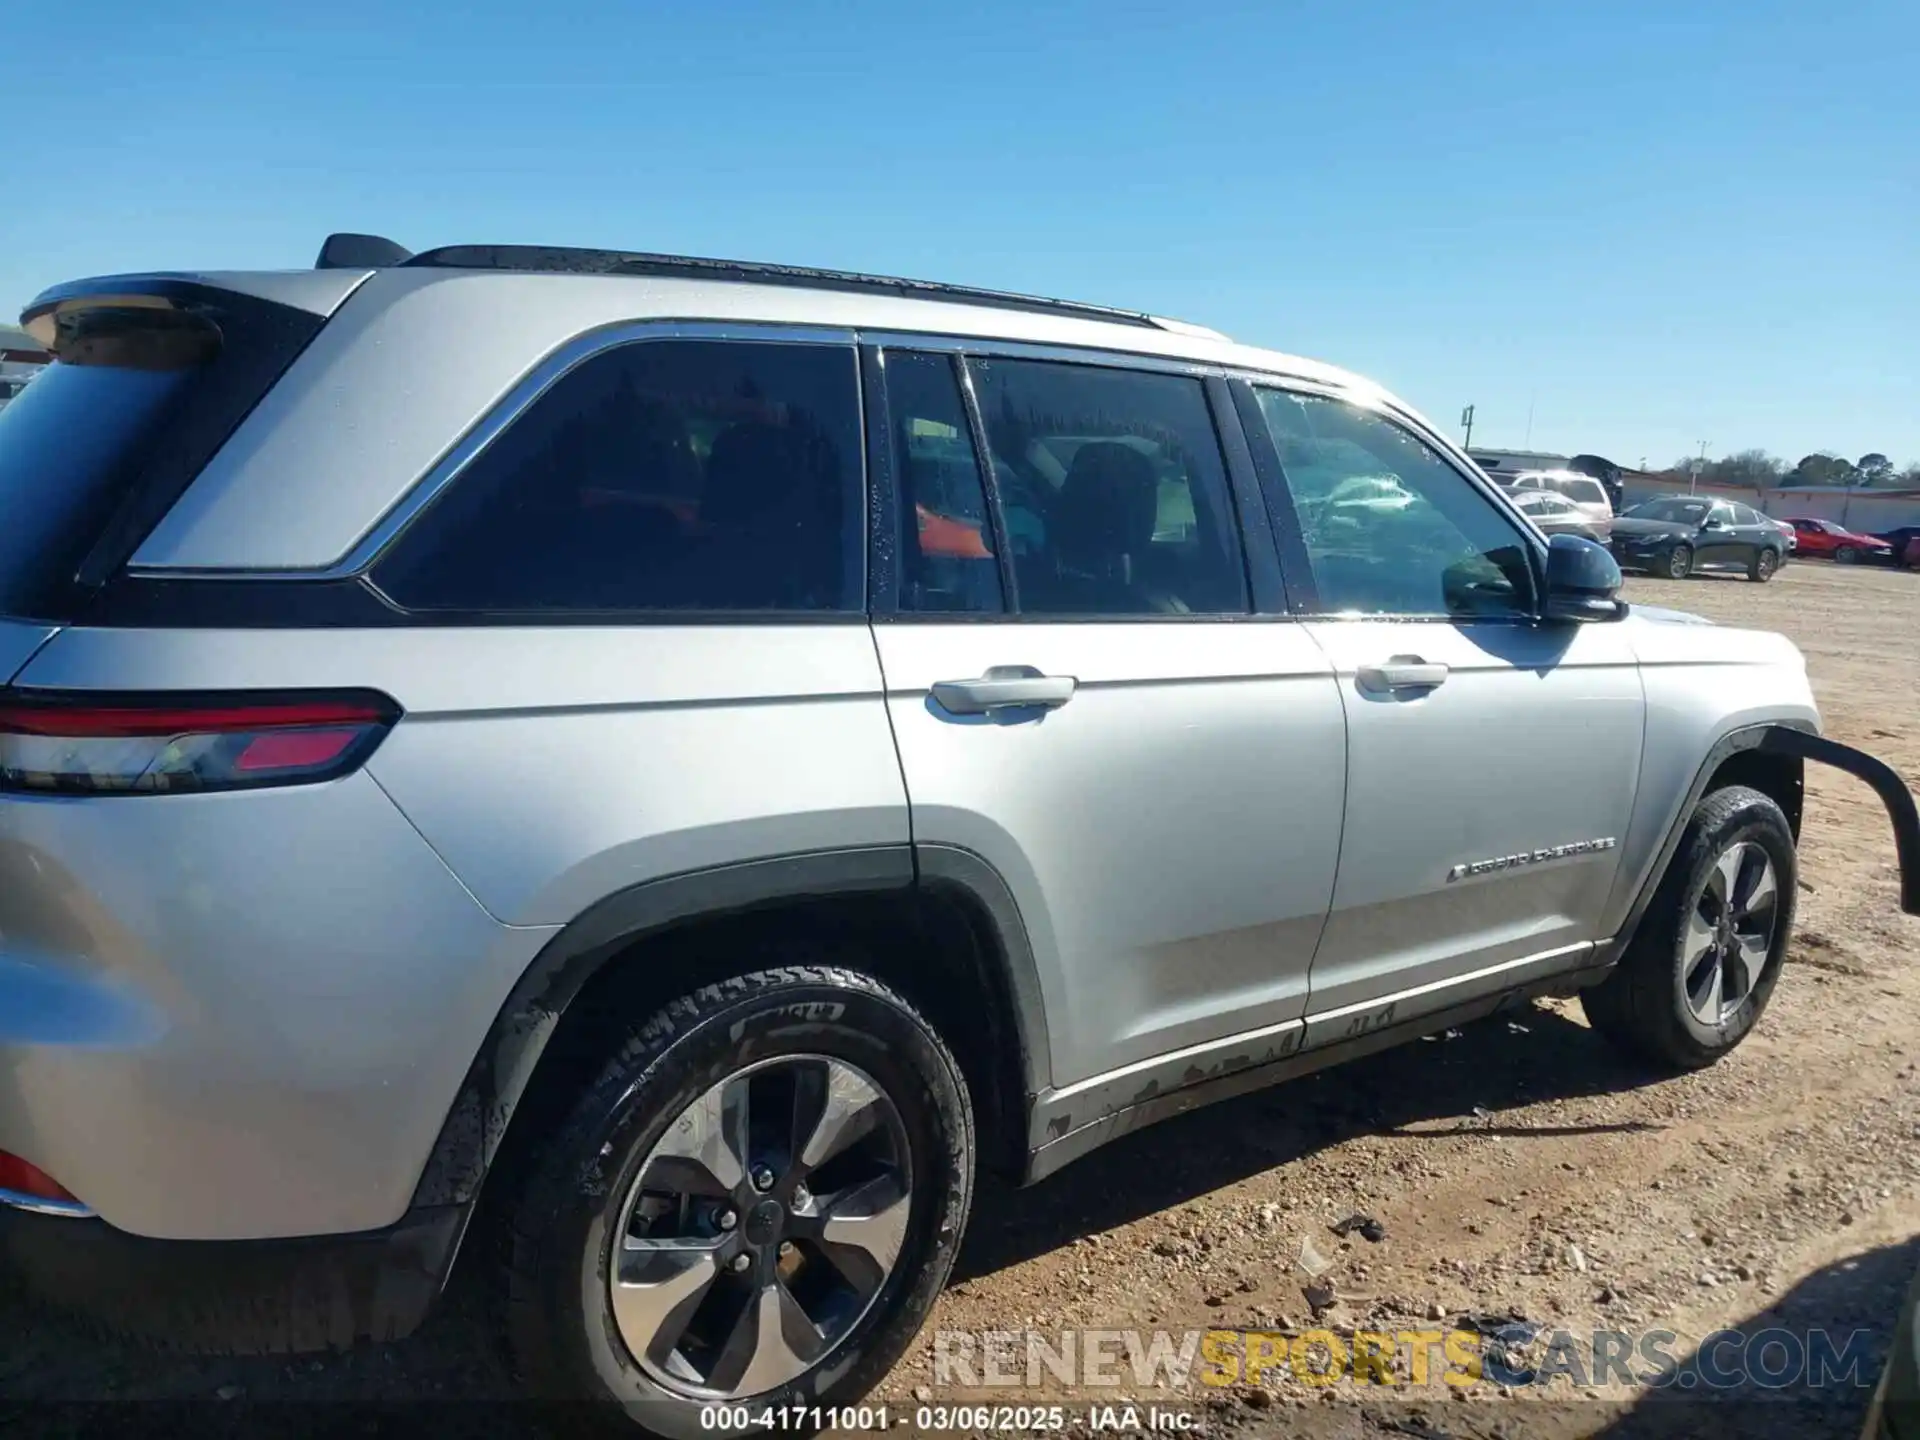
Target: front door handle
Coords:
[[1402, 672], [1004, 687]]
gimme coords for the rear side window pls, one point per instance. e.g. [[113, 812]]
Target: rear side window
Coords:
[[947, 561], [1112, 489], [72, 443], [668, 475]]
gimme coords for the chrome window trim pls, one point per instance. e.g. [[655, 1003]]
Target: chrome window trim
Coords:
[[40, 1205], [525, 393], [992, 348]]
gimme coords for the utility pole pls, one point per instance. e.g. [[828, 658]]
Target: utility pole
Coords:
[[1699, 465], [1466, 419]]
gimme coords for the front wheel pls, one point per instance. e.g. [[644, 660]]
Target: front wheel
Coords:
[[754, 1208], [1679, 562], [1765, 561], [1700, 969], [1846, 555]]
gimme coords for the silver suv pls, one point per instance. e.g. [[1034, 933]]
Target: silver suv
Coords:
[[703, 757]]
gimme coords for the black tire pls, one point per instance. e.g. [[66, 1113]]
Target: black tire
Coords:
[[1642, 1006], [1679, 562], [558, 1238], [1845, 555], [1766, 560]]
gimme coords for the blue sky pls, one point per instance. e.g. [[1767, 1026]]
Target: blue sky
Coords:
[[1649, 224]]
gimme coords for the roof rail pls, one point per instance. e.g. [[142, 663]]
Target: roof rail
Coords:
[[565, 260]]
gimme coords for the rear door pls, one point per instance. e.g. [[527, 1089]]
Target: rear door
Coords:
[[1475, 853], [1085, 697], [1722, 543], [1753, 532]]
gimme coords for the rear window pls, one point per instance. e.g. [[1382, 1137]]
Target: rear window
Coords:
[[141, 391], [66, 441]]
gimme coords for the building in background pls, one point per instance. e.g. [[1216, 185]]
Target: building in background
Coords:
[[21, 358]]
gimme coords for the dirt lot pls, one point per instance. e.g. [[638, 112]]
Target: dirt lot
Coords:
[[1519, 1170]]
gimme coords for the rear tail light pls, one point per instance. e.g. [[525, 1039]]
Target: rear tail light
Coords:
[[83, 745], [24, 1178]]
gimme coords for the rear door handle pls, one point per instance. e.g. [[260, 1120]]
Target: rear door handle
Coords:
[[1403, 672], [1004, 687]]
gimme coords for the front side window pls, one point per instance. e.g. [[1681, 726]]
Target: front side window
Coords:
[[1113, 490], [667, 475], [1390, 527]]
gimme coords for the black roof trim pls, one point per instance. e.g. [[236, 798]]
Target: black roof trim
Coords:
[[569, 261]]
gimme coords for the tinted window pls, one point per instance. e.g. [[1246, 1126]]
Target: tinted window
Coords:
[[946, 552], [1113, 491], [1390, 527], [666, 475], [1680, 512], [71, 442], [1586, 492]]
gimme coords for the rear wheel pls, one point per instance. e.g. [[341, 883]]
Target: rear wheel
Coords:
[[755, 1206], [1765, 561], [1700, 969], [1846, 555], [1680, 562]]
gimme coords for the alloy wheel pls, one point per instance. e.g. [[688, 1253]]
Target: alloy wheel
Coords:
[[1730, 932], [761, 1227]]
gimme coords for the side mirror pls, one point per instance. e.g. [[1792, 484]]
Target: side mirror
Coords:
[[1582, 581], [1713, 522]]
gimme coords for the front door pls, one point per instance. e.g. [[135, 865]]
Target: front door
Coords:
[[1083, 698], [1485, 805]]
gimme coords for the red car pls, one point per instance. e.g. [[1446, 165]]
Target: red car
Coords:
[[1823, 537]]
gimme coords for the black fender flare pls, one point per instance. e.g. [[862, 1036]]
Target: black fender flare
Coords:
[[497, 1079], [1885, 782], [1799, 740]]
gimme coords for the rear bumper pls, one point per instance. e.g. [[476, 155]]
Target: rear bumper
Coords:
[[1886, 783], [239, 1296]]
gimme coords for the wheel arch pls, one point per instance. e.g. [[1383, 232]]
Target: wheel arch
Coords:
[[609, 943], [1771, 756]]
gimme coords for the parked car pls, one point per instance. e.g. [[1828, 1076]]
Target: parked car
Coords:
[[1836, 542], [1583, 490], [643, 760], [1556, 515], [1904, 545], [1676, 535]]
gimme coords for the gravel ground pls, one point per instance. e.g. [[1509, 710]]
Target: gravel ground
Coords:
[[1518, 1169]]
